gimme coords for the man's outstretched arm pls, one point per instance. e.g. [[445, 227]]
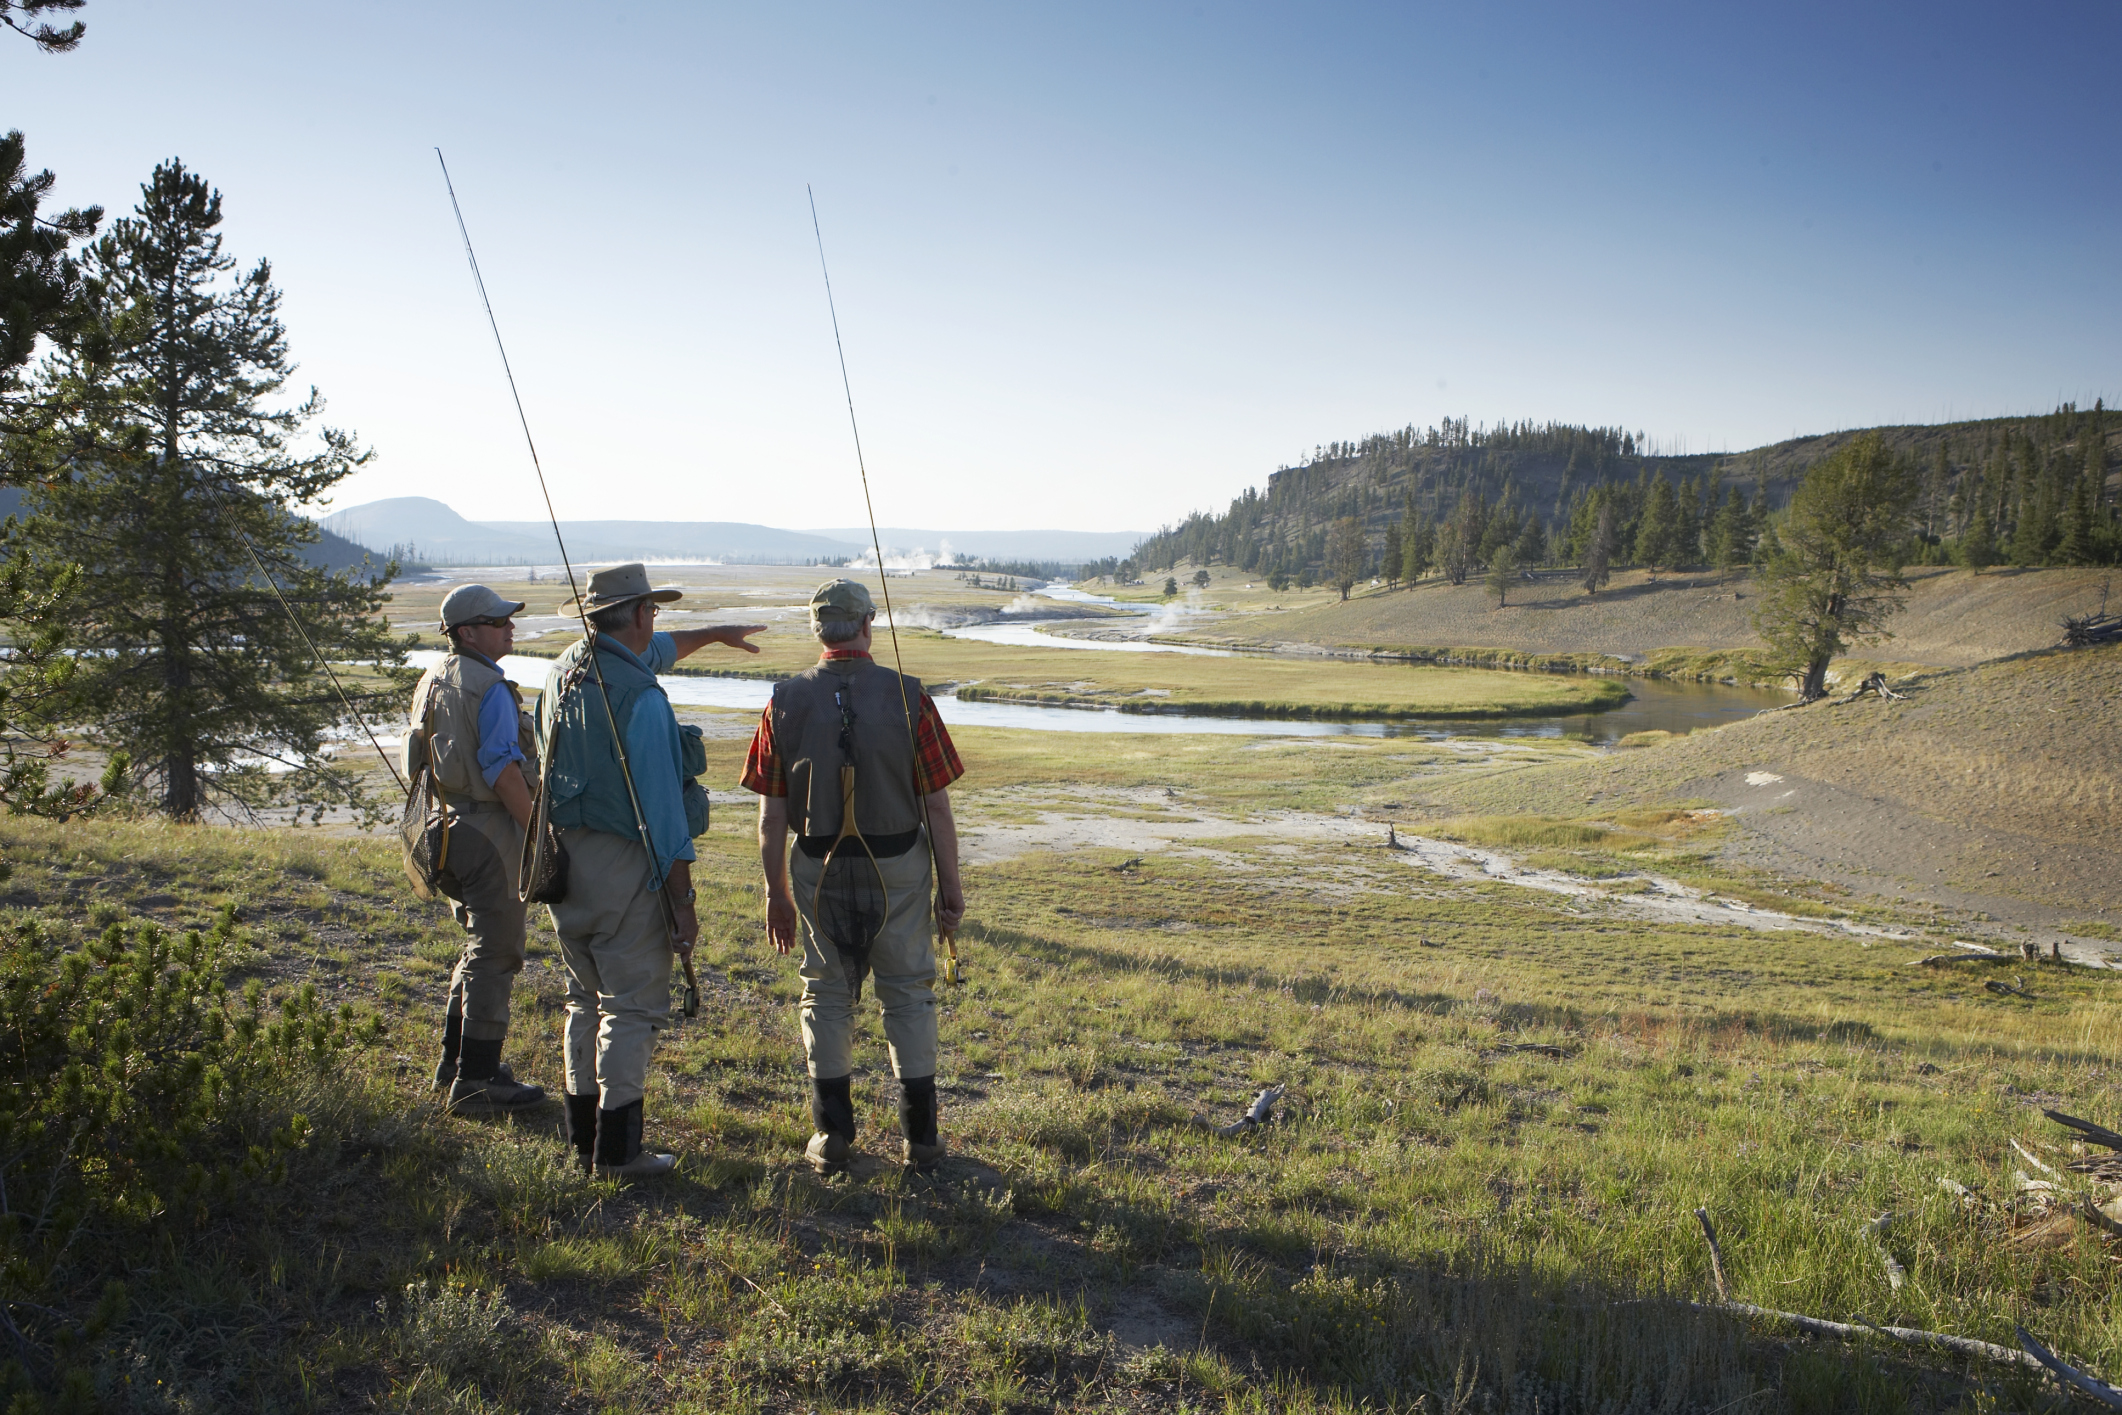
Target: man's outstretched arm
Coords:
[[737, 636]]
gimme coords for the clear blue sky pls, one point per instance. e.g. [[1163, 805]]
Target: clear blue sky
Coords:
[[1100, 264]]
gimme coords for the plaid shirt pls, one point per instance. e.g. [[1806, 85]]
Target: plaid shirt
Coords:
[[936, 763]]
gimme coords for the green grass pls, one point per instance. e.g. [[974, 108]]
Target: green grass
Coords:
[[1443, 1218]]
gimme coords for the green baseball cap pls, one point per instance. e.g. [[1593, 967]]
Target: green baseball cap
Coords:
[[841, 599]]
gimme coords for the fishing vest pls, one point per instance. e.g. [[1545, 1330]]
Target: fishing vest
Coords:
[[588, 789], [807, 730], [446, 703]]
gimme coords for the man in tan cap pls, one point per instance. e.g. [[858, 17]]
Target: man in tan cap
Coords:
[[627, 823], [848, 711], [468, 721]]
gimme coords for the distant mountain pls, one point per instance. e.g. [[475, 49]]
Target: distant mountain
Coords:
[[330, 551], [438, 534], [1069, 547], [679, 540]]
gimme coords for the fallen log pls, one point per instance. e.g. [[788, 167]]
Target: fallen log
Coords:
[[1850, 1331], [2098, 1134], [2098, 1389], [2081, 631], [1876, 683], [1936, 958]]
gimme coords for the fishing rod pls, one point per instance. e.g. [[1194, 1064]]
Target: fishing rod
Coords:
[[891, 623], [589, 632]]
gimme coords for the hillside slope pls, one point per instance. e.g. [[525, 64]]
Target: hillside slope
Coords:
[[1992, 790], [1954, 618]]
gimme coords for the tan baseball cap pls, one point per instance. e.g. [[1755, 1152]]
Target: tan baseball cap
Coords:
[[468, 602], [841, 599], [616, 584]]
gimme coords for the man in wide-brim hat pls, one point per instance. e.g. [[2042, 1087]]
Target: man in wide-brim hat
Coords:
[[616, 935]]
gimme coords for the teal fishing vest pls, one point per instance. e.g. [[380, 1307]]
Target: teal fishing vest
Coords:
[[587, 787]]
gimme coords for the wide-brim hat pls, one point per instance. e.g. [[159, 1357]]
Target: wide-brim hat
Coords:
[[468, 602], [616, 584]]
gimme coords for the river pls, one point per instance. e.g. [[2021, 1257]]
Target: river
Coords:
[[1658, 704]]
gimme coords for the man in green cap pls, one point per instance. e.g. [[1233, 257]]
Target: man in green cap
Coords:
[[850, 724], [626, 820], [468, 720]]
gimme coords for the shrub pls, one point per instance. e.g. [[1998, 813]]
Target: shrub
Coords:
[[136, 1097]]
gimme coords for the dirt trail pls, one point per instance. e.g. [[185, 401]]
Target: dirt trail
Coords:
[[1661, 899], [1993, 792]]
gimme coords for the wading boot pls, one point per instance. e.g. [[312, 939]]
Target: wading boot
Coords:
[[582, 1129], [452, 1043], [917, 1123], [832, 1116], [452, 1039], [481, 1084], [619, 1152]]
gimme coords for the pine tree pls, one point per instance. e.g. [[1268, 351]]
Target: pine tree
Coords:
[[1598, 554], [1418, 549], [40, 285], [182, 474], [1501, 567], [2075, 546], [1831, 580], [1345, 554], [1654, 532], [1395, 553]]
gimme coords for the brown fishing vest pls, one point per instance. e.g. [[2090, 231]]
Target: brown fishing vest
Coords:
[[453, 689], [807, 728]]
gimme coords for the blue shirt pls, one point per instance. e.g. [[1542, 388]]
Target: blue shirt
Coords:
[[657, 759], [497, 732]]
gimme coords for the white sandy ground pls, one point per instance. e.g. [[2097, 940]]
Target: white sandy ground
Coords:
[[1659, 898]]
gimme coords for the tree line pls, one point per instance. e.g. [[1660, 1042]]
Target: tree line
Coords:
[[1450, 499]]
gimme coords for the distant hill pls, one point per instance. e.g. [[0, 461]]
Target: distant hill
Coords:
[[333, 552], [2016, 476], [439, 535]]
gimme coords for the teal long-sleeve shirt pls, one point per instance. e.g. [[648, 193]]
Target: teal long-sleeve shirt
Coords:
[[656, 756]]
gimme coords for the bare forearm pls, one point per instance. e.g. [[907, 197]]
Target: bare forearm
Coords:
[[514, 793], [773, 842], [943, 834]]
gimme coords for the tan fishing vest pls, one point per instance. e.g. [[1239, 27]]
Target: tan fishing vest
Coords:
[[453, 690], [807, 738]]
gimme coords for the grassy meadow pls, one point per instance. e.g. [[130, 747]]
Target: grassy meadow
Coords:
[[1503, 1107]]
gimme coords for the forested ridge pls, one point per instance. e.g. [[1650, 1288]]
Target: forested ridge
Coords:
[[2037, 490]]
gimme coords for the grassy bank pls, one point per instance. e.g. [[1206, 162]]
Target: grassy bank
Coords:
[[1692, 625], [1503, 1107], [1137, 682]]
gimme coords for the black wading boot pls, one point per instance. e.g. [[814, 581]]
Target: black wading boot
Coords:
[[481, 1084], [917, 1122], [452, 1038], [619, 1152], [582, 1129], [832, 1116], [452, 1042]]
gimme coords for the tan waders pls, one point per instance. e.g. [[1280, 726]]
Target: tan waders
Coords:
[[617, 949], [902, 965]]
